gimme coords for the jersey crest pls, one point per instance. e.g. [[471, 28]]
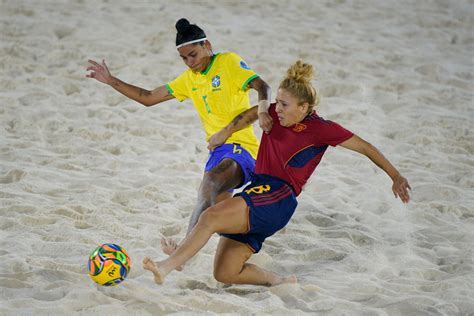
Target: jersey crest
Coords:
[[216, 81], [299, 127]]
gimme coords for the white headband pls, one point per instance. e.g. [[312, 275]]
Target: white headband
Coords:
[[192, 42]]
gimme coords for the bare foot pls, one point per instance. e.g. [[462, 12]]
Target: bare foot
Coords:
[[290, 280], [168, 246], [150, 265]]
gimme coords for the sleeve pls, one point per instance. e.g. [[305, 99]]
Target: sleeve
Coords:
[[334, 134], [272, 111], [179, 87], [239, 71]]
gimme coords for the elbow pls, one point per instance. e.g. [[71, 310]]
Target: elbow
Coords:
[[146, 104], [142, 102], [146, 99]]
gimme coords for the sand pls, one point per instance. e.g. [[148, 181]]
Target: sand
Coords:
[[81, 165]]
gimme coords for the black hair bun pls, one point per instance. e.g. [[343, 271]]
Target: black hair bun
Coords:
[[182, 25], [188, 32]]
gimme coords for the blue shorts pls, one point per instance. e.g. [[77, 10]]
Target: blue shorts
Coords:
[[271, 203], [236, 153]]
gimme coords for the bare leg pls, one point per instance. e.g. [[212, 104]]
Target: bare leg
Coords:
[[212, 190], [229, 216], [230, 266], [169, 245]]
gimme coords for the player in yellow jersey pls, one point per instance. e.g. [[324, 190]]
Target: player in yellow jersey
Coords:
[[218, 85]]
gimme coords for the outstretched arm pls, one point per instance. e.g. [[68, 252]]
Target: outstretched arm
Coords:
[[101, 73], [264, 94], [400, 185], [239, 122]]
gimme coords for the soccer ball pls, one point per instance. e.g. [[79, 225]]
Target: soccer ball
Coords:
[[109, 264]]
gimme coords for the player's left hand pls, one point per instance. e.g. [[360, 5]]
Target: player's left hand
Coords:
[[217, 139], [401, 188], [265, 121]]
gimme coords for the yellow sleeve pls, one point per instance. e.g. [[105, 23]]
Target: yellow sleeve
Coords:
[[179, 87], [239, 71]]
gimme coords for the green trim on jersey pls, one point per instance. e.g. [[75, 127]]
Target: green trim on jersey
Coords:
[[169, 88], [244, 86], [210, 64]]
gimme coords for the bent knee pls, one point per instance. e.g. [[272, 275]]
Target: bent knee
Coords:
[[224, 275], [209, 218], [216, 183], [227, 175]]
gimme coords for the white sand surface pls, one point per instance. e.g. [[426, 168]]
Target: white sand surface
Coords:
[[81, 165]]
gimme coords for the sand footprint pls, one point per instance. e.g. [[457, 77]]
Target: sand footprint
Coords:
[[170, 230], [432, 71], [320, 220], [70, 88], [50, 296], [339, 90], [12, 176], [196, 285], [33, 98], [63, 31], [14, 283]]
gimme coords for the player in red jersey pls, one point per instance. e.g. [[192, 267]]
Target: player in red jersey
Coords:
[[286, 159]]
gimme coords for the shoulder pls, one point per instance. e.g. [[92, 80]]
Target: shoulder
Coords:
[[315, 119], [229, 57], [316, 123], [185, 75], [235, 62], [233, 58], [327, 127], [181, 76]]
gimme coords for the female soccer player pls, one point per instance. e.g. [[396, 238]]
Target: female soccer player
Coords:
[[218, 84], [287, 157]]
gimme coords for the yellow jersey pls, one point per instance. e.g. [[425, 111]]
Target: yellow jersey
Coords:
[[219, 94]]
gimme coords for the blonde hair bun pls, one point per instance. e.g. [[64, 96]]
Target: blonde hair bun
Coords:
[[298, 83], [300, 72]]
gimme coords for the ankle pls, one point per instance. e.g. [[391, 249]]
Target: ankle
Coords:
[[167, 265]]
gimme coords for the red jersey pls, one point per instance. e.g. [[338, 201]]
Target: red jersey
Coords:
[[292, 153]]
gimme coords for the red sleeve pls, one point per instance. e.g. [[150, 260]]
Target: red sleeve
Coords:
[[334, 134], [272, 110]]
